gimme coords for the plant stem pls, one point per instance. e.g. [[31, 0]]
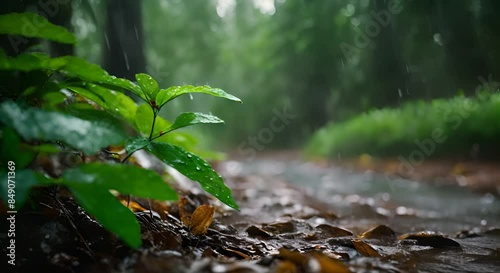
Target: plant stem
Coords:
[[159, 135], [152, 125], [127, 157]]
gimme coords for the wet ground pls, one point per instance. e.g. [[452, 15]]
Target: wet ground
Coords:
[[295, 217]]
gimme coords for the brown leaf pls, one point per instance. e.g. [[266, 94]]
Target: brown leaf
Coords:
[[302, 262], [256, 232], [201, 219], [183, 213], [365, 249], [132, 205], [329, 265], [430, 239], [293, 256], [381, 232]]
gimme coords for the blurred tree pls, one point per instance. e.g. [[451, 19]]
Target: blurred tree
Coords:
[[488, 27], [465, 59], [388, 66], [123, 40]]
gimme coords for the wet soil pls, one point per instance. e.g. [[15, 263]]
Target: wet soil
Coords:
[[282, 227]]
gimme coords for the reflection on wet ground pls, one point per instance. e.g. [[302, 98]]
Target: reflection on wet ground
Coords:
[[431, 227], [409, 205]]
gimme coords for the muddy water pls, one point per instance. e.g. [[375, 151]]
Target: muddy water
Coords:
[[411, 205]]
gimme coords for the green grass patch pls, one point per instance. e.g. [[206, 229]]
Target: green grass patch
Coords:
[[441, 127]]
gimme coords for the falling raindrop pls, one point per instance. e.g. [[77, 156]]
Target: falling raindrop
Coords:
[[399, 92], [126, 60], [190, 96], [107, 41], [136, 33]]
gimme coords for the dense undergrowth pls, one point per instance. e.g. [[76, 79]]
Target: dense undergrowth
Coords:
[[460, 126]]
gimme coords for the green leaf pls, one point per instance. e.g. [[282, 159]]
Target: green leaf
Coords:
[[194, 168], [127, 179], [30, 61], [166, 95], [23, 181], [182, 139], [32, 25], [144, 119], [127, 85], [148, 84], [108, 211], [136, 143], [86, 71], [90, 184], [13, 150], [46, 149], [91, 134], [114, 102], [190, 118]]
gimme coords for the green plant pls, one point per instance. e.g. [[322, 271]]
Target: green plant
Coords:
[[61, 105], [462, 122]]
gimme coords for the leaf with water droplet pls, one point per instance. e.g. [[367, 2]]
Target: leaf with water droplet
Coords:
[[171, 155], [190, 118], [166, 95], [148, 85], [108, 99], [85, 129], [136, 143]]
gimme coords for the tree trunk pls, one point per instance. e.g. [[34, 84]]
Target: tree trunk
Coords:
[[123, 41]]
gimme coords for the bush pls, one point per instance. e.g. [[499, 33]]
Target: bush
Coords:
[[460, 122]]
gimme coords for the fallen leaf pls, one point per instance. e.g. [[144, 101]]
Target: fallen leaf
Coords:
[[132, 205], [309, 262], [430, 239], [365, 249], [201, 219], [329, 265], [293, 256], [183, 213], [256, 232], [239, 253], [381, 232]]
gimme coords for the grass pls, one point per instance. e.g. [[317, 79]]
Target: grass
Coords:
[[455, 126]]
